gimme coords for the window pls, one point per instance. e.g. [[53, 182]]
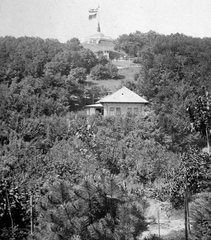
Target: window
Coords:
[[111, 111], [136, 111], [118, 111], [129, 110]]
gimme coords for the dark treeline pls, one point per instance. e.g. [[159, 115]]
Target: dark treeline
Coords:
[[90, 179], [174, 70]]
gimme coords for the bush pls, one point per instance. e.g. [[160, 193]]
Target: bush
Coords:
[[104, 72], [99, 72], [175, 235], [112, 70], [153, 237], [102, 60], [137, 60], [114, 55]]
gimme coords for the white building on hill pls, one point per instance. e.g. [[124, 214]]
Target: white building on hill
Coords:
[[119, 103]]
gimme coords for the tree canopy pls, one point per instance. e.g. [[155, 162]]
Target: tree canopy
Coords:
[[89, 178]]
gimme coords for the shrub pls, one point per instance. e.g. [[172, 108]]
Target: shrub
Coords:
[[114, 55], [137, 60], [174, 235], [112, 70], [104, 72], [153, 237], [99, 72], [102, 60]]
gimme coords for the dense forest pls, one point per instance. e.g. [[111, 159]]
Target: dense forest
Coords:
[[63, 176]]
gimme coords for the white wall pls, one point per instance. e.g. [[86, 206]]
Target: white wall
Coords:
[[124, 108], [90, 111]]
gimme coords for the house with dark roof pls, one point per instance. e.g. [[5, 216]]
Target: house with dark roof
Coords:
[[120, 103]]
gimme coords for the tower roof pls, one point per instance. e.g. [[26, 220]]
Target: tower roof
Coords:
[[99, 36], [99, 42]]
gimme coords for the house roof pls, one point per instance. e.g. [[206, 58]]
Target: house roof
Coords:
[[123, 95], [95, 105]]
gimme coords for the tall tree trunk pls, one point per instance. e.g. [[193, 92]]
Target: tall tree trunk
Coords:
[[187, 227], [10, 214], [32, 215], [208, 142]]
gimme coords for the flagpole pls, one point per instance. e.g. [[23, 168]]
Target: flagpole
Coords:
[[98, 15]]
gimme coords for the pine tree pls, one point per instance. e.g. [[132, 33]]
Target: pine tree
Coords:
[[99, 207], [200, 212]]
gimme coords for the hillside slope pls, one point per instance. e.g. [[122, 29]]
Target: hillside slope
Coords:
[[125, 74]]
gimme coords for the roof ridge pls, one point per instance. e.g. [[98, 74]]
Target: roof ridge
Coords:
[[124, 95]]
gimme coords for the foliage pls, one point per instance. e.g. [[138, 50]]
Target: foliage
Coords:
[[97, 208], [73, 44], [160, 189], [95, 93], [114, 55], [25, 56], [153, 237], [131, 43], [50, 150], [103, 60], [14, 217], [174, 235], [200, 215], [200, 113], [196, 167], [173, 69], [112, 70], [106, 71]]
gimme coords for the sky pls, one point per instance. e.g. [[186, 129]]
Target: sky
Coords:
[[65, 19]]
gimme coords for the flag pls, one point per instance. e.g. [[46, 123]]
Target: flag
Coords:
[[91, 16], [93, 13]]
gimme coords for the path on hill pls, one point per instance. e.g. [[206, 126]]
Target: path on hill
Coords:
[[168, 221]]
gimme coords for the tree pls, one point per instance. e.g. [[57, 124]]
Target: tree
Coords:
[[199, 113], [78, 75], [25, 56], [112, 70], [131, 43], [97, 208], [102, 60], [87, 59], [196, 166], [99, 72], [201, 216], [104, 71], [74, 44], [14, 217]]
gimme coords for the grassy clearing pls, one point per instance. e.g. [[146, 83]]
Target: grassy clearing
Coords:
[[124, 63], [126, 74]]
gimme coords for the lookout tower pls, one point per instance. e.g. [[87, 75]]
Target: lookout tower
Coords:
[[98, 42]]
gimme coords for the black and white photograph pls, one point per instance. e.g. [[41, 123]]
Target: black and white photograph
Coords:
[[105, 120]]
